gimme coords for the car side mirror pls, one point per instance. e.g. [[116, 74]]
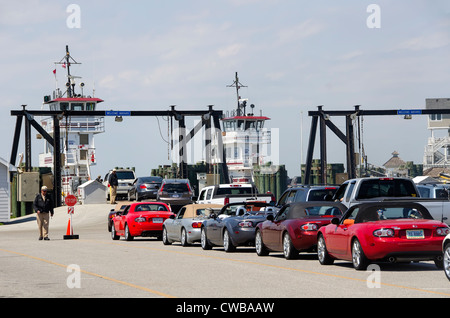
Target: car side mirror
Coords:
[[172, 216], [328, 197], [335, 221], [270, 217], [213, 216]]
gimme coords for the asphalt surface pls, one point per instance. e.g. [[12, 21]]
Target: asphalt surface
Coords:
[[95, 266]]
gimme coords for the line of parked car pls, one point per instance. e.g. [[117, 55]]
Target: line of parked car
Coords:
[[301, 221]]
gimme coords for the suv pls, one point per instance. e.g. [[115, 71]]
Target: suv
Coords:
[[124, 176], [176, 192], [435, 191], [306, 193]]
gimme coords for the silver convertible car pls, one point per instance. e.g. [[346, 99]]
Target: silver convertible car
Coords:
[[185, 226], [234, 225]]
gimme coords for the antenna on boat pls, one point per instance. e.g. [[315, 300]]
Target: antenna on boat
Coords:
[[66, 62], [238, 86]]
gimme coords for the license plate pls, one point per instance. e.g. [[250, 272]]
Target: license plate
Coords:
[[175, 195], [157, 220], [414, 234]]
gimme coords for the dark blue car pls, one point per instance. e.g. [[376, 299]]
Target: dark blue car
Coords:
[[234, 225]]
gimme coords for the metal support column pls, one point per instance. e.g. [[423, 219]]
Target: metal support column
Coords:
[[323, 148], [309, 156]]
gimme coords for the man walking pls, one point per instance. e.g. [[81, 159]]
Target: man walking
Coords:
[[113, 184], [43, 205]]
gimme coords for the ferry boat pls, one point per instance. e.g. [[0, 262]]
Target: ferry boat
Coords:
[[77, 132], [246, 140]]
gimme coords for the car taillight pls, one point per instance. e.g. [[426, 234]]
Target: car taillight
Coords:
[[142, 186], [384, 233], [196, 225], [246, 224], [442, 231], [139, 219], [309, 227], [226, 201], [272, 198]]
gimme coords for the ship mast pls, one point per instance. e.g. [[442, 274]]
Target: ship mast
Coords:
[[66, 61], [238, 86]]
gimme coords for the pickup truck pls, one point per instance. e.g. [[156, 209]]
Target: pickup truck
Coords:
[[230, 193], [362, 190]]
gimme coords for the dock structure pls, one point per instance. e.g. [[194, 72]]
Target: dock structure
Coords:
[[323, 118]]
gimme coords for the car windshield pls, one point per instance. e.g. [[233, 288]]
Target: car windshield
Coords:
[[237, 190], [386, 188], [150, 207], [319, 194], [389, 213], [150, 180], [323, 210], [125, 175], [176, 187]]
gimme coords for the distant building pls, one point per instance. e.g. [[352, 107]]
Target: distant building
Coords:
[[395, 167], [437, 150]]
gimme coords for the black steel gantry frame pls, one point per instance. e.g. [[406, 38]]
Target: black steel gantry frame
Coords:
[[348, 137], [207, 117]]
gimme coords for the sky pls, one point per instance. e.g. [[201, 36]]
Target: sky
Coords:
[[292, 55]]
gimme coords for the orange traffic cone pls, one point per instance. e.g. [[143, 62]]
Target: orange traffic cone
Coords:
[[69, 229], [69, 233]]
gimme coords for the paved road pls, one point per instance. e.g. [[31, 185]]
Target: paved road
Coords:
[[145, 267]]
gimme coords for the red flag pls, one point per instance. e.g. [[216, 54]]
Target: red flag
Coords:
[[64, 65], [54, 71]]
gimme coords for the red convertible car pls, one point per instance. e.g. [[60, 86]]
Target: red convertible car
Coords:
[[294, 228], [382, 231], [140, 219]]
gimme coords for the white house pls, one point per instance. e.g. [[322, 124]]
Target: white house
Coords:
[[5, 190]]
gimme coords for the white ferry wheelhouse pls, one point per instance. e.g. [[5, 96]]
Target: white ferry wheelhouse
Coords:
[[76, 132]]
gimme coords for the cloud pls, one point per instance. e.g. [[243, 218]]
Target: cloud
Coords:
[[28, 12], [299, 32], [426, 42], [230, 50]]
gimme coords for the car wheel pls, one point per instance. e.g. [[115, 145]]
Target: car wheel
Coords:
[[359, 260], [184, 241], [446, 261], [114, 236], [137, 197], [204, 240], [289, 250], [322, 253], [128, 236], [165, 238], [129, 196], [227, 244], [261, 250]]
